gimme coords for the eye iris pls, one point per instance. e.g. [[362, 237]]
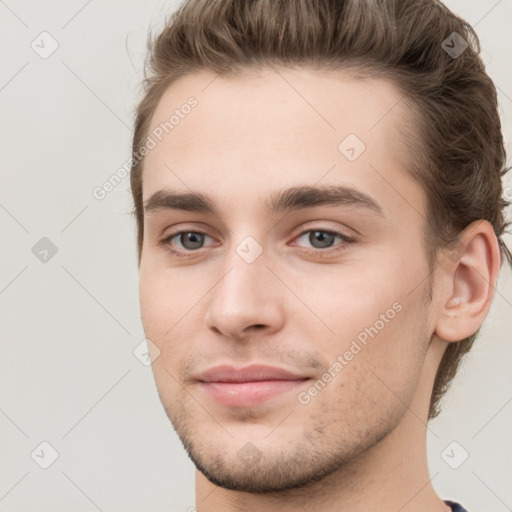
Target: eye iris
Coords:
[[314, 236], [195, 239]]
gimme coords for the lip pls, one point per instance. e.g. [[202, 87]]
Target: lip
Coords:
[[248, 386], [252, 373]]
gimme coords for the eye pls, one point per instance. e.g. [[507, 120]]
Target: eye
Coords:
[[323, 240], [190, 241]]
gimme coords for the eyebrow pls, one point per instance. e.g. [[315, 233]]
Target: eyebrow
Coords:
[[295, 198]]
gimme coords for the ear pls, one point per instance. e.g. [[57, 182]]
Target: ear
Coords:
[[470, 274]]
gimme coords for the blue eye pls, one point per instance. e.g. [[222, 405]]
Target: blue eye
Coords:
[[325, 239], [190, 240], [321, 239], [323, 242]]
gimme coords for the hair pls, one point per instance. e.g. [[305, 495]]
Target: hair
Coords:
[[457, 144]]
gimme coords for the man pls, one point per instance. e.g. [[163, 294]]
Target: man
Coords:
[[318, 200]]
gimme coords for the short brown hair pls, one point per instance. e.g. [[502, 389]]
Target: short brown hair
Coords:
[[460, 155]]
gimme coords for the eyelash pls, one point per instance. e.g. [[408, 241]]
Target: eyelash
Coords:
[[166, 243]]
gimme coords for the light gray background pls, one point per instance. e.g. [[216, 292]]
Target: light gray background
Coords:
[[70, 325]]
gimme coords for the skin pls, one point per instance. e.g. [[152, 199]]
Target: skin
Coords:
[[360, 443]]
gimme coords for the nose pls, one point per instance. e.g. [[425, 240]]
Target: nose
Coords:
[[246, 299]]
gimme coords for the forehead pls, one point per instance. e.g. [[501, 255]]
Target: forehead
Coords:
[[272, 129]]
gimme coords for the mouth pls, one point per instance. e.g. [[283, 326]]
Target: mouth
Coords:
[[249, 386]]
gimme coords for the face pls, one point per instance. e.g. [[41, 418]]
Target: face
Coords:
[[327, 288]]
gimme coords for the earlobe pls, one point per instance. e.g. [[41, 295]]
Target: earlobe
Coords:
[[471, 281]]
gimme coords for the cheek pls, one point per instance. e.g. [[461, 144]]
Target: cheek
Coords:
[[390, 362], [377, 379], [165, 295], [162, 305], [347, 300], [376, 328], [170, 300]]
